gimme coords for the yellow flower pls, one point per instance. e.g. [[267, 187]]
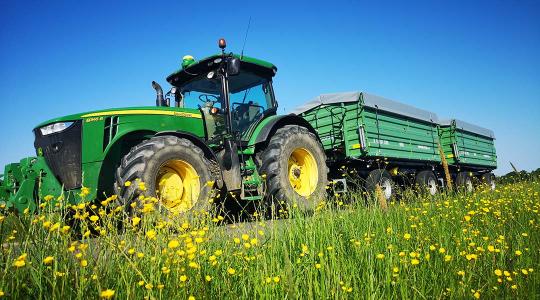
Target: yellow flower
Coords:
[[498, 272], [414, 261], [525, 272], [19, 263], [2, 293], [84, 263], [317, 266], [208, 278], [461, 273], [84, 191], [128, 183], [151, 234], [380, 256], [231, 271], [406, 236], [467, 218], [471, 256], [518, 253], [183, 278], [476, 295], [107, 294], [491, 248], [135, 221], [447, 257], [48, 260], [442, 250], [94, 218], [173, 244], [276, 279], [191, 298]]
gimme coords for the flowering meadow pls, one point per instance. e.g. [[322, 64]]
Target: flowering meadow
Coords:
[[480, 245]]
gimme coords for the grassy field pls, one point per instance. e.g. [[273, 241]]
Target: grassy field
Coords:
[[482, 245]]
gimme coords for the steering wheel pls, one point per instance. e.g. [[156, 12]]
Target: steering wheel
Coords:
[[208, 98]]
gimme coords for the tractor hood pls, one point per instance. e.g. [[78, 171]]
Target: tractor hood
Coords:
[[141, 110]]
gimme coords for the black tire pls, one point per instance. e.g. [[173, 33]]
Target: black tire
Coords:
[[145, 161], [381, 177], [489, 180], [275, 165], [464, 182], [427, 182]]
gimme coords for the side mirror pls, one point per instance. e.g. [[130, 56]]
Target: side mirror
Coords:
[[233, 66]]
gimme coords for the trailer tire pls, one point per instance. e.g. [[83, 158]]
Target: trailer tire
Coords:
[[489, 179], [173, 170], [427, 181], [293, 159], [382, 178], [464, 181]]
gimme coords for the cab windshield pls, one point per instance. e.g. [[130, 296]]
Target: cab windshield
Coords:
[[250, 96]]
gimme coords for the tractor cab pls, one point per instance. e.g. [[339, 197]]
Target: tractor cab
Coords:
[[234, 93]]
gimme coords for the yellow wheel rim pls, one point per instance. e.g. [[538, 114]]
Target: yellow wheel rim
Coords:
[[303, 172], [178, 185]]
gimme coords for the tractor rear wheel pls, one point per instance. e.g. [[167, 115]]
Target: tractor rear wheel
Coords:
[[382, 178], [464, 181], [295, 167], [173, 170], [427, 181]]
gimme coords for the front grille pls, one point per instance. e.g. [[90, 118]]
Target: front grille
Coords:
[[62, 151]]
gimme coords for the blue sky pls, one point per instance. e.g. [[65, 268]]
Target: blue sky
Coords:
[[473, 60]]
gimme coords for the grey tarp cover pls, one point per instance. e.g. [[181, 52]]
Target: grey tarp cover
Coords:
[[372, 101], [469, 127]]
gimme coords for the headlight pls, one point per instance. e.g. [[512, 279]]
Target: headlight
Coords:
[[54, 128]]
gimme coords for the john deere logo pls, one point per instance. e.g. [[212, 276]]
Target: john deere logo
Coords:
[[40, 151]]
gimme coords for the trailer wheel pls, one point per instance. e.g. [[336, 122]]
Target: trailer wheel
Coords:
[[427, 181], [173, 170], [489, 179], [464, 181], [382, 178], [295, 167]]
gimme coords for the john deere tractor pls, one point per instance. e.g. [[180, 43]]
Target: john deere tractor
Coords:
[[216, 130]]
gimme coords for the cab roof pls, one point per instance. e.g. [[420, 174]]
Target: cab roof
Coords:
[[260, 67]]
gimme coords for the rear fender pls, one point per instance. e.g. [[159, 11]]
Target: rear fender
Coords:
[[266, 129]]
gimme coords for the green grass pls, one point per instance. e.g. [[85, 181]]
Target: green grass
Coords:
[[336, 253]]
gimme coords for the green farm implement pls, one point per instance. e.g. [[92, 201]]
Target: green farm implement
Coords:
[[217, 131]]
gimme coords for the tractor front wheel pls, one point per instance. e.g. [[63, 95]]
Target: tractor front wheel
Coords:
[[173, 170], [295, 167]]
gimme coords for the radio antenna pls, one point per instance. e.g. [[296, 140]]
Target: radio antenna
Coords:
[[245, 38]]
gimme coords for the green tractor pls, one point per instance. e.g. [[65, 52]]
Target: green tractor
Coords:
[[221, 134]]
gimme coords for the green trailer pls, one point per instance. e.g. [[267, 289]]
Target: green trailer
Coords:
[[469, 150], [466, 144], [382, 138], [358, 125]]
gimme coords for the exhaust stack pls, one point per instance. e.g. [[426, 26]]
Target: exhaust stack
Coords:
[[159, 94]]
